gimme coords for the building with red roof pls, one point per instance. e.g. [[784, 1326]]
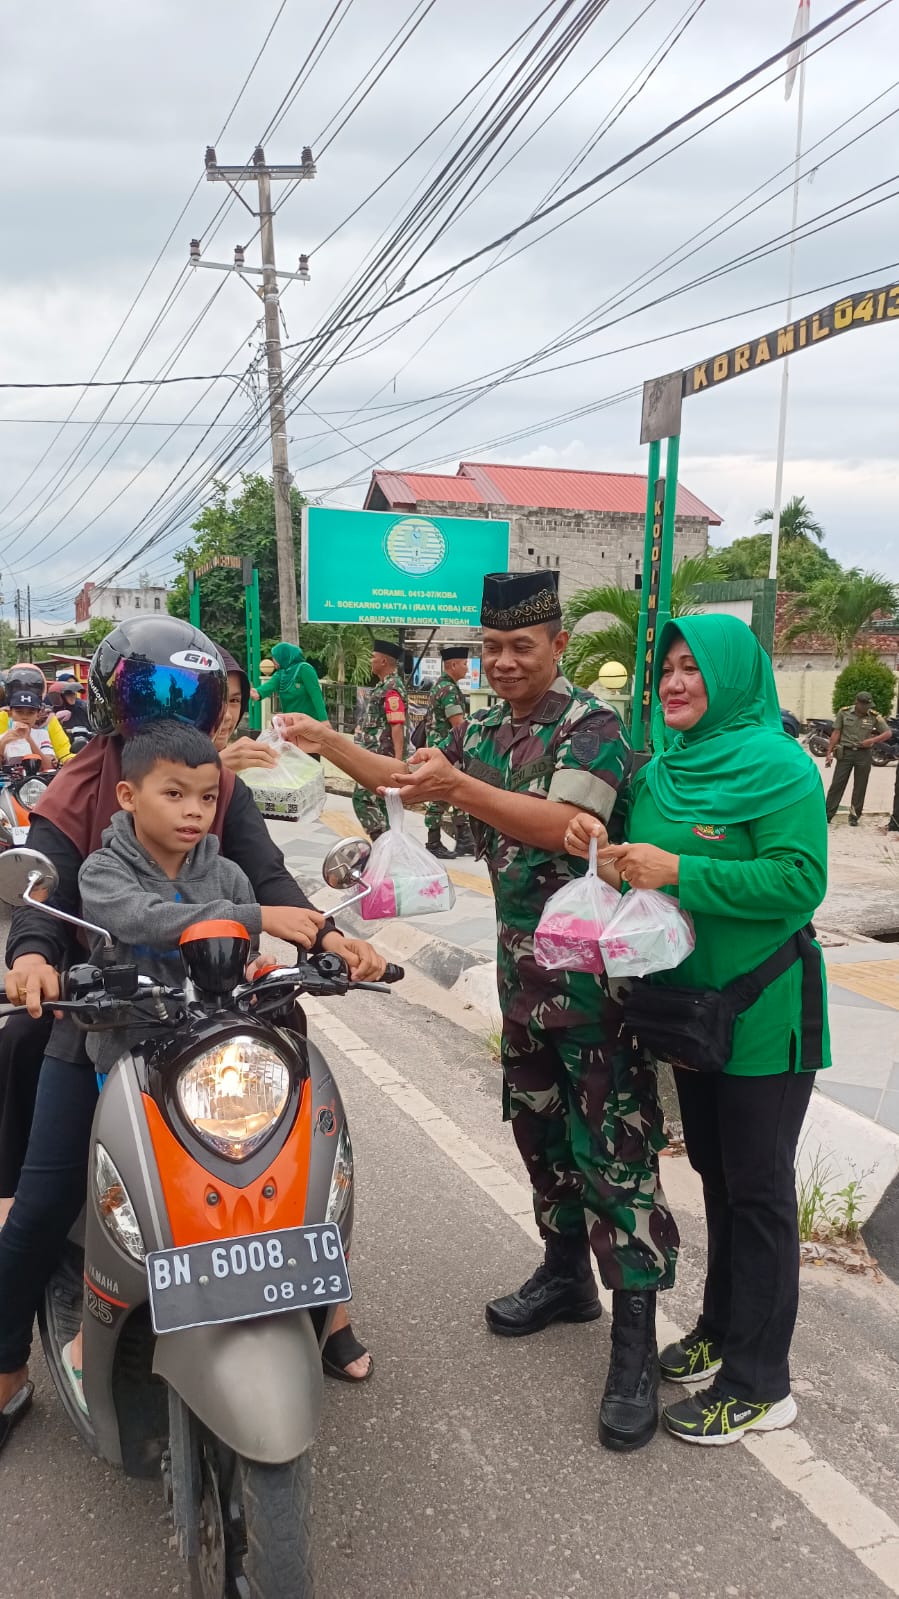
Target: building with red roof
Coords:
[[586, 525]]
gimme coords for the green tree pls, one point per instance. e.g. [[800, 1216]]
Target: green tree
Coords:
[[616, 640], [839, 607], [7, 644], [866, 671], [244, 526], [342, 653], [796, 521], [799, 562], [96, 630]]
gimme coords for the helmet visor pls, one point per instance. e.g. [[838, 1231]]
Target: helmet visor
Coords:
[[138, 692]]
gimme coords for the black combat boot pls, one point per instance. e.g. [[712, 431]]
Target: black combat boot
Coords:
[[562, 1289], [465, 844], [438, 848], [629, 1413]]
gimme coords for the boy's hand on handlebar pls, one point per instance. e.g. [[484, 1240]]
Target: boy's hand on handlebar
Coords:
[[31, 982], [363, 960], [294, 925], [579, 832]]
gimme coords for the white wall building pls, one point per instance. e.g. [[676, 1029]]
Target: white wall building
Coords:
[[118, 604]]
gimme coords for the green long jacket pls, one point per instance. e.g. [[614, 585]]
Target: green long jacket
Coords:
[[295, 683], [748, 887]]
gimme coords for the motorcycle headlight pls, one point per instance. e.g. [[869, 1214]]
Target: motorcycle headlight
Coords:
[[234, 1095], [115, 1207], [31, 792], [341, 1179]]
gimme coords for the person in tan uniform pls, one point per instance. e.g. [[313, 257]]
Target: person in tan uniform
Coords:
[[856, 730]]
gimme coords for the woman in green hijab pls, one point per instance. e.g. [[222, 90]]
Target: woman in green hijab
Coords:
[[730, 817], [295, 683]]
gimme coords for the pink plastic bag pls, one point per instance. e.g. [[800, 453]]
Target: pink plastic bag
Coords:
[[405, 880], [648, 933], [568, 933]]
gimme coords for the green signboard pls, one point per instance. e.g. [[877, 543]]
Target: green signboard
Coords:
[[396, 569]]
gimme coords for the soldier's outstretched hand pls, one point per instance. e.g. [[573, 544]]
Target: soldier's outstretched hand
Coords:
[[304, 731], [428, 776]]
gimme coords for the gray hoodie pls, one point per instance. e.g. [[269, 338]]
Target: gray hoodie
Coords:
[[123, 890]]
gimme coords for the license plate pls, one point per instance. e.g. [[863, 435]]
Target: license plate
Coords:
[[234, 1279], [19, 835]]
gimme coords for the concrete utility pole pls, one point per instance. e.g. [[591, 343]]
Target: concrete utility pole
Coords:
[[261, 174]]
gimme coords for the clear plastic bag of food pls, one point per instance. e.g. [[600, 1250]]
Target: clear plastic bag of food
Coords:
[[292, 791], [405, 880], [648, 933], [573, 920]]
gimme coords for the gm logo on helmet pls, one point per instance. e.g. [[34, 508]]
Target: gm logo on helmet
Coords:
[[196, 660]]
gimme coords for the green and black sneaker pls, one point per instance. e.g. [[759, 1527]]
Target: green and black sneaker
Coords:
[[691, 1359], [710, 1417]]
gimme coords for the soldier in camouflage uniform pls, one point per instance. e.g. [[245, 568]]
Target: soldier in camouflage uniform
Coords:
[[383, 729], [446, 711], [584, 1110]]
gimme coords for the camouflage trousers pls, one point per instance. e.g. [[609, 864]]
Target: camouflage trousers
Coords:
[[371, 810], [588, 1124], [437, 814]]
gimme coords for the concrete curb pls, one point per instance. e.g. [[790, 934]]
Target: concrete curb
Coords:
[[468, 978], [849, 1147]]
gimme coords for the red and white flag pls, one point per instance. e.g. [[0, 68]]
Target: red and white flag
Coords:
[[801, 26]]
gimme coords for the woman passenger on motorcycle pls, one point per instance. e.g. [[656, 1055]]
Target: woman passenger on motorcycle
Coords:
[[132, 682]]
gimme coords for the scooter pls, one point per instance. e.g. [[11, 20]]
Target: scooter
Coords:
[[885, 754], [819, 731], [21, 786], [212, 1249]]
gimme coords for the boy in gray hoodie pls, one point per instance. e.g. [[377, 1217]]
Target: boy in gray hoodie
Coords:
[[160, 869]]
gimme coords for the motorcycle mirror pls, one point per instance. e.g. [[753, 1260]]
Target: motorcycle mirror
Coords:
[[345, 862], [23, 872], [28, 878]]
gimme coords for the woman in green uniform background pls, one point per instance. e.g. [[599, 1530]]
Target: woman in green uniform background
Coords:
[[295, 682], [731, 818]]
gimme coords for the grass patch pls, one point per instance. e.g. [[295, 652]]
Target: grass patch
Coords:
[[825, 1211], [493, 1039]]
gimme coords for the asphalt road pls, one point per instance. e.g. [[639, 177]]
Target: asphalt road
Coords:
[[469, 1466]]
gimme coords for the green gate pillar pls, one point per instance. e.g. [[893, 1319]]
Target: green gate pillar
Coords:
[[254, 646], [193, 589], [637, 722]]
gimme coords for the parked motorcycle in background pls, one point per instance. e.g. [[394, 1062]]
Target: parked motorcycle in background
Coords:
[[819, 731], [22, 784], [885, 754], [212, 1249]]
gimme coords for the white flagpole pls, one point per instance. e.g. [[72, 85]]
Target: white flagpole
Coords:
[[785, 376]]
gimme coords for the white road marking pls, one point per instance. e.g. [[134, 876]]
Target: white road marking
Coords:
[[847, 1514]]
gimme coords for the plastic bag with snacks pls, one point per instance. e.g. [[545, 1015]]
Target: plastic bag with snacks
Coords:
[[405, 880], [292, 791], [573, 921], [648, 933]]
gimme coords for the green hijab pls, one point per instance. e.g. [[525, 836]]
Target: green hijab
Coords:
[[737, 763], [288, 658]]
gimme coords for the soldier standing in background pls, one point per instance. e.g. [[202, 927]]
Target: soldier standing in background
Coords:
[[383, 729], [447, 710], [856, 730], [584, 1109]]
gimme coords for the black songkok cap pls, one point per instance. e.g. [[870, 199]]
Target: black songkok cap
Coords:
[[454, 652], [520, 599], [384, 647]]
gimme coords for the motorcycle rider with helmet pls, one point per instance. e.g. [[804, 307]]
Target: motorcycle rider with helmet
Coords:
[[26, 678], [145, 670]]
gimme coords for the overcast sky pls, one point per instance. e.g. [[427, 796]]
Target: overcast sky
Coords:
[[106, 110]]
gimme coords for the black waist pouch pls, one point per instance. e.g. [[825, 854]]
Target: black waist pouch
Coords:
[[694, 1027]]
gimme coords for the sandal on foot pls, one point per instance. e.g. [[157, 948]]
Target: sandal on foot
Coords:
[[340, 1350], [12, 1413], [76, 1379]]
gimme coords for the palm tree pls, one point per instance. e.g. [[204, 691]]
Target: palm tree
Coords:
[[839, 607], [343, 648], [616, 640], [796, 521]]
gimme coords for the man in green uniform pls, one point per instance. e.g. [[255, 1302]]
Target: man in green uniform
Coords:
[[856, 730], [383, 729], [585, 1111], [446, 711]]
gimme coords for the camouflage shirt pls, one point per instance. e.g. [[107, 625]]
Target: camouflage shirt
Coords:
[[386, 708], [572, 749], [446, 700]]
